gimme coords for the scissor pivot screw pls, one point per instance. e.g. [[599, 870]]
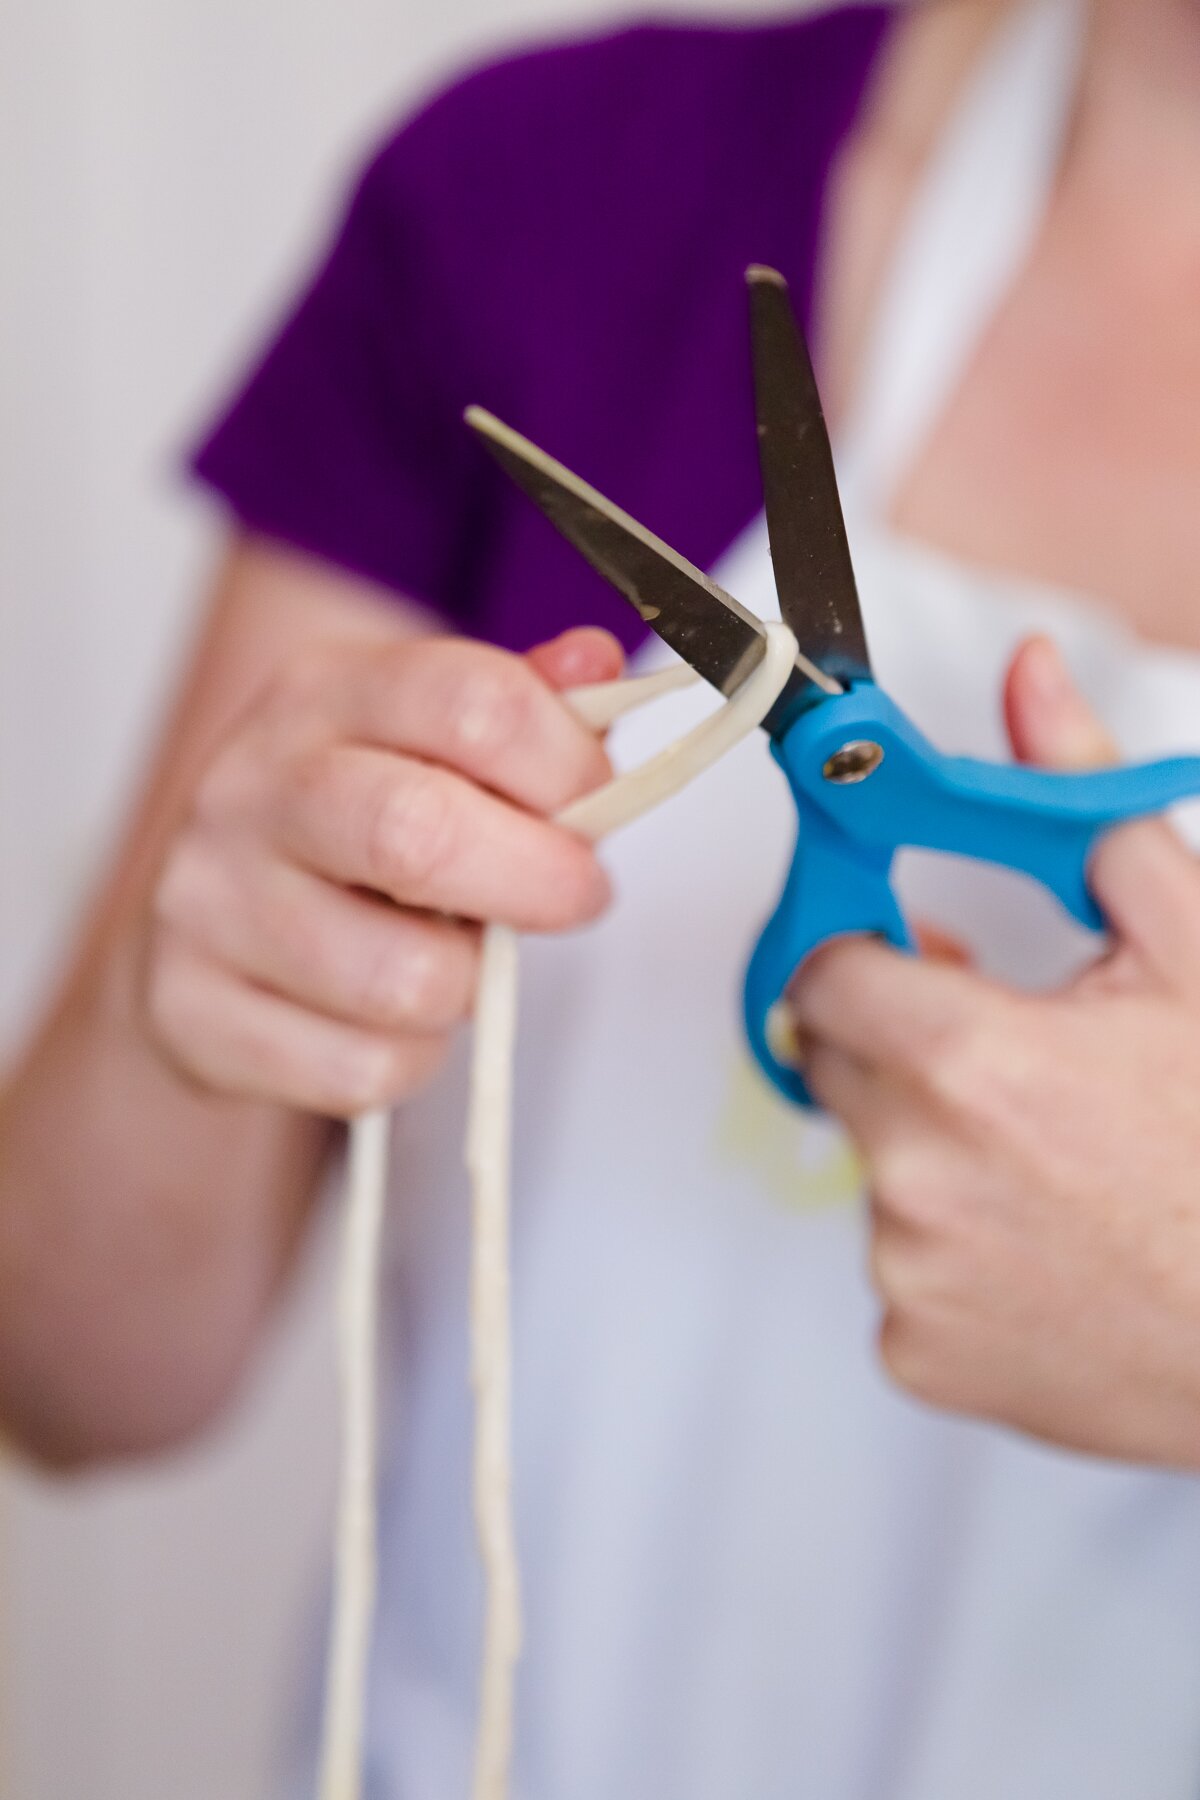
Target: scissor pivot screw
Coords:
[[854, 761]]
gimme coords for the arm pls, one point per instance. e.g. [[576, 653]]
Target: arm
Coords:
[[163, 1135]]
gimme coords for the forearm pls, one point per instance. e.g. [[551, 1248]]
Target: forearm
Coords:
[[145, 1227], [145, 1221]]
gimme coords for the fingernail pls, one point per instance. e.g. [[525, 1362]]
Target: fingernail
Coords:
[[1046, 671], [786, 1040], [1070, 735]]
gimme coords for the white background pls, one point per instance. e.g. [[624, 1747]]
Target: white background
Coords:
[[167, 167]]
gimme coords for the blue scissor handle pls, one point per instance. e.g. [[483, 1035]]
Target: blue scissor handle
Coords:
[[1030, 819]]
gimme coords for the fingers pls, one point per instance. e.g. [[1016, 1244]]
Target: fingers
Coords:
[[1049, 721], [868, 1102], [941, 946], [905, 1170], [1145, 879], [578, 658], [237, 1039], [315, 935], [428, 838], [887, 1009], [346, 954], [1148, 885], [482, 712]]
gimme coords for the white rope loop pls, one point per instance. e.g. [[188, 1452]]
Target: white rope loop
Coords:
[[488, 1146]]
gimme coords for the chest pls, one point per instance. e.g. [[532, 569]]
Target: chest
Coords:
[[1070, 449]]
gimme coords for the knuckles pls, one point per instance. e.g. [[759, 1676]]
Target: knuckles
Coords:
[[579, 892], [305, 682], [231, 787], [982, 1069], [950, 1061], [174, 897], [382, 1073], [168, 1000], [413, 985], [409, 833], [901, 1191], [484, 700], [929, 1367], [487, 707], [438, 981], [496, 719], [357, 1080], [922, 1259], [280, 774], [345, 1074], [831, 977], [911, 1363], [923, 1361]]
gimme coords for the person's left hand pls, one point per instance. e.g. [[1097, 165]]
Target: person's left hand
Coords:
[[1034, 1160]]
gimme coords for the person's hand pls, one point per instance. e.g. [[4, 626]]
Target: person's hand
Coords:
[[1034, 1161], [316, 921]]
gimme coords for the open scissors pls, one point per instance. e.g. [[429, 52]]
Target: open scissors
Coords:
[[866, 783]]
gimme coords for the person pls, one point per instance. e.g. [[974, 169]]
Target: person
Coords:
[[754, 1563]]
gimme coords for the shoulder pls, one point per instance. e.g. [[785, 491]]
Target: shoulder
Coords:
[[614, 75], [560, 236], [644, 103]]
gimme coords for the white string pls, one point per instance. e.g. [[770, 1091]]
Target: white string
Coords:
[[488, 1142], [605, 701], [489, 1132], [354, 1543]]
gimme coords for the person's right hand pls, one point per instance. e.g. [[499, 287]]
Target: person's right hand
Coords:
[[316, 920]]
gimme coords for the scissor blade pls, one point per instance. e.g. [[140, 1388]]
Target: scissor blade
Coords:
[[818, 597], [701, 622]]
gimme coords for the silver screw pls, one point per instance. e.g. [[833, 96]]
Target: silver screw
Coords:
[[854, 761]]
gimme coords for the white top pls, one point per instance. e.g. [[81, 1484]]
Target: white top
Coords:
[[753, 1570]]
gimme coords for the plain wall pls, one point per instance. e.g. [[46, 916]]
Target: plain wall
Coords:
[[167, 167]]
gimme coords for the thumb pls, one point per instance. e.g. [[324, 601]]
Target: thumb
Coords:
[[1145, 880], [1049, 721]]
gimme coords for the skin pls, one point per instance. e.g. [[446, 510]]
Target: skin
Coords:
[[1084, 385], [1032, 1160], [270, 954], [289, 931]]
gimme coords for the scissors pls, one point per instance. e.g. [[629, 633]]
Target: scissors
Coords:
[[864, 779]]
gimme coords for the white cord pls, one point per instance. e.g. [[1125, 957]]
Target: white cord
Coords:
[[489, 1132], [488, 1139], [354, 1547]]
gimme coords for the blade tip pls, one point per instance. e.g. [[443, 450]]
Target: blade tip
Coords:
[[762, 273], [494, 433]]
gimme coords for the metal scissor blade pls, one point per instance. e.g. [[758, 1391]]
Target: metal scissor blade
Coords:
[[813, 572], [699, 620]]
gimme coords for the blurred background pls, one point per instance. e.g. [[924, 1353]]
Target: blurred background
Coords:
[[167, 170]]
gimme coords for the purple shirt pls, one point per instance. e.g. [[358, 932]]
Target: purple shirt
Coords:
[[561, 238]]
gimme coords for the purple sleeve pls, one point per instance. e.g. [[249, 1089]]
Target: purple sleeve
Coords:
[[560, 237], [347, 439]]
